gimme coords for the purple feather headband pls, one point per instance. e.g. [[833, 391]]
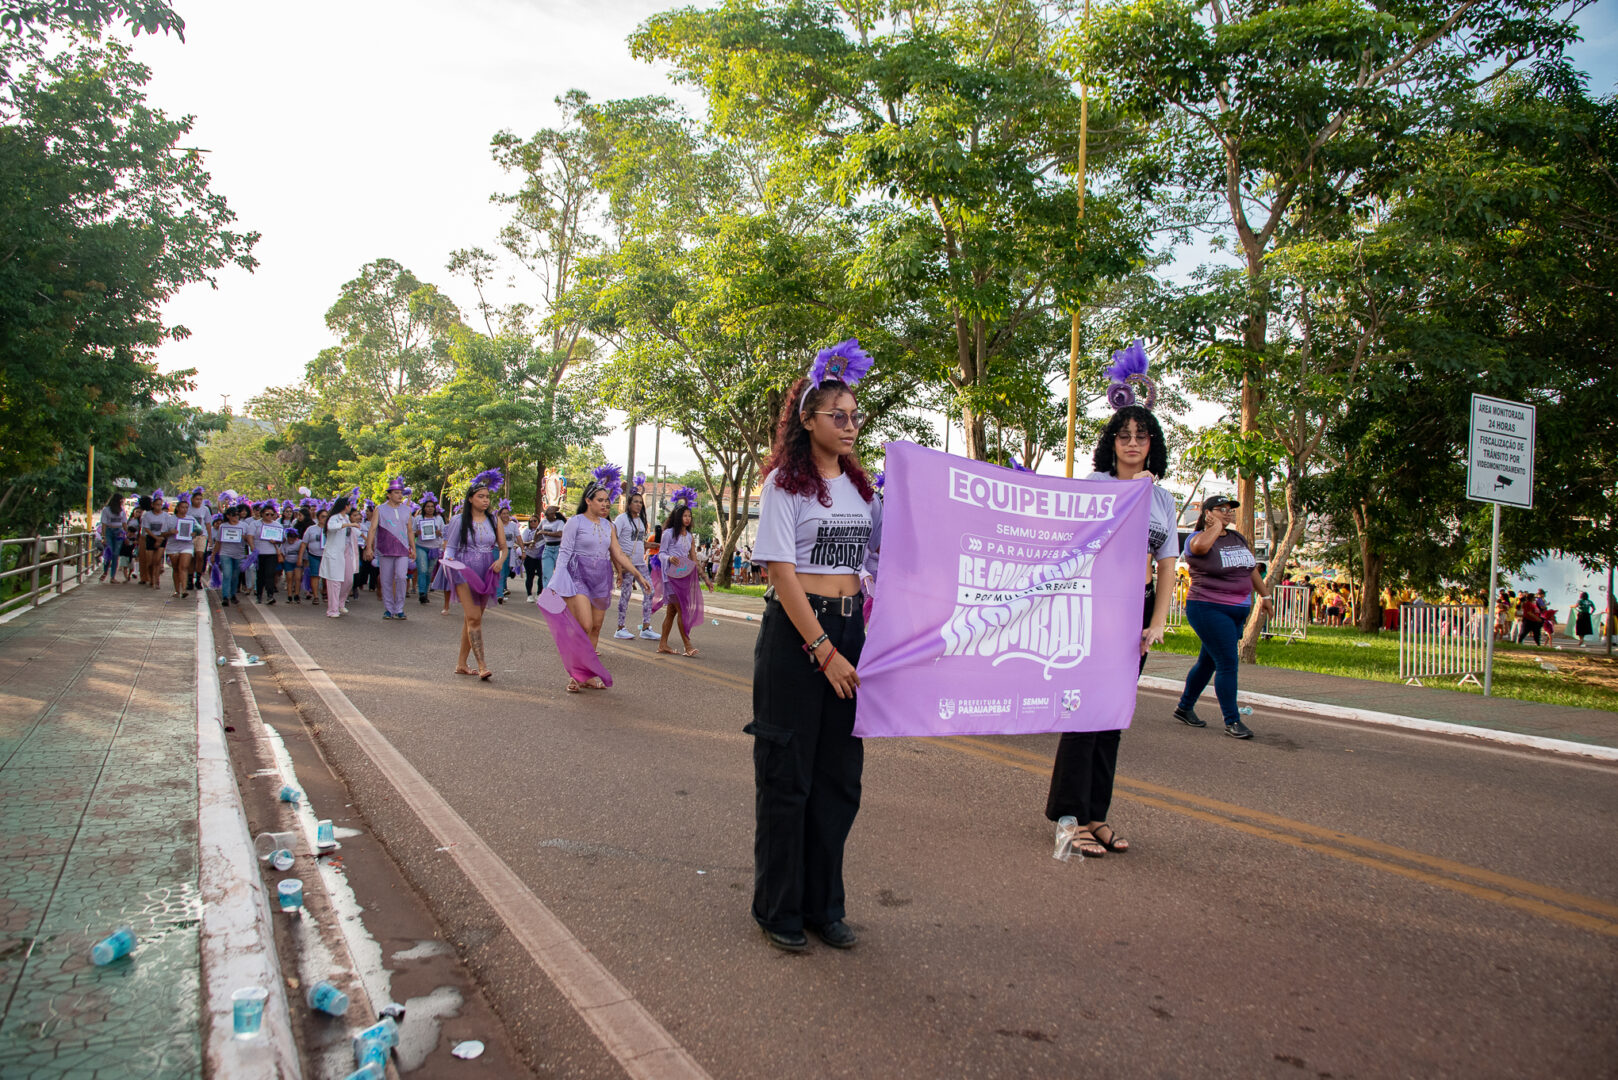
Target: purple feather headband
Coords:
[[1128, 371], [844, 362], [489, 478], [608, 478], [684, 496]]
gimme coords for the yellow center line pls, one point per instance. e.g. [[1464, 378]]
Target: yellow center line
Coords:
[[1588, 913], [1334, 844]]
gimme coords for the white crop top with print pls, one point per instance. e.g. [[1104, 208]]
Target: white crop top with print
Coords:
[[843, 538]]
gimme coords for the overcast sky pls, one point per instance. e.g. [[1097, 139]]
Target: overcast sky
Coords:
[[359, 129]]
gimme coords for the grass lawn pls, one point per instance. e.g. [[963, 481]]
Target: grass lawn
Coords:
[[1584, 680], [743, 590]]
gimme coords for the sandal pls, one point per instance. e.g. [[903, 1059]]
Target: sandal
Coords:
[[573, 686], [595, 683], [485, 676], [463, 671], [665, 649], [693, 651], [1111, 840], [1086, 844]]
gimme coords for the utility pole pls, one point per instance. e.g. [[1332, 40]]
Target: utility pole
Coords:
[[629, 468], [657, 462]]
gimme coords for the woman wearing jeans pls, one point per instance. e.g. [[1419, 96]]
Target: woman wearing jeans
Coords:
[[1224, 577]]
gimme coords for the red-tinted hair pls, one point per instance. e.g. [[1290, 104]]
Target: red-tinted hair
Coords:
[[791, 458]]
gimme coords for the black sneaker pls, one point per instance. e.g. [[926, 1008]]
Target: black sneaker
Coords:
[[788, 940], [1238, 730], [837, 935], [423, 599], [1189, 718]]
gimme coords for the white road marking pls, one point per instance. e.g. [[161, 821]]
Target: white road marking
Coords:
[[641, 1045]]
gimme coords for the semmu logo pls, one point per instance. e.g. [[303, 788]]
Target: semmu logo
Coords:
[[946, 708]]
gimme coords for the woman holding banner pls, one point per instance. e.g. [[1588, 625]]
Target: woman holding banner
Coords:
[[1131, 449], [819, 531]]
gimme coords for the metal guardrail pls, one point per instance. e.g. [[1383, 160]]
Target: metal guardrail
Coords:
[[1289, 618], [1177, 607], [49, 558], [1439, 642]]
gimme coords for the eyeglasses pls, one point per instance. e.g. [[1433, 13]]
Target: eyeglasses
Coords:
[[840, 419], [1138, 437]]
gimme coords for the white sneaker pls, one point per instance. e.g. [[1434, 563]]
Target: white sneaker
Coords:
[[648, 633], [624, 635], [345, 609]]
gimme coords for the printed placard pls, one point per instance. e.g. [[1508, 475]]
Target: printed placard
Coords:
[[273, 533], [184, 528], [1022, 615], [429, 530], [230, 534]]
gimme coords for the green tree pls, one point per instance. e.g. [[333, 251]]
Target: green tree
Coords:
[[236, 458], [394, 333], [104, 215], [951, 124]]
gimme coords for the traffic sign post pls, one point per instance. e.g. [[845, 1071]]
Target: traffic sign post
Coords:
[[1499, 470]]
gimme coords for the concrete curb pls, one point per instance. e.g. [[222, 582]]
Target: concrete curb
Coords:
[[238, 943], [1409, 723]]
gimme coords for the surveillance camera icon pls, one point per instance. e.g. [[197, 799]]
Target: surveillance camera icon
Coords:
[[1501, 481]]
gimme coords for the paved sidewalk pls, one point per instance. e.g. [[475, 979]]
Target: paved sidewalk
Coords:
[[1594, 726], [98, 828]]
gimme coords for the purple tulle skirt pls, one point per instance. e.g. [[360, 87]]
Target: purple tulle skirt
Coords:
[[684, 590], [579, 657], [585, 575], [474, 569]]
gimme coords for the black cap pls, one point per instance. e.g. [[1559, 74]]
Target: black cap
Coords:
[[1216, 502]]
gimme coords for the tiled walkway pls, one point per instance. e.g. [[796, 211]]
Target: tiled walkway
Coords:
[[98, 828]]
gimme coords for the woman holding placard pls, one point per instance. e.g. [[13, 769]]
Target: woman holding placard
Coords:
[[429, 532], [179, 532], [231, 552], [1131, 449], [268, 534], [807, 762]]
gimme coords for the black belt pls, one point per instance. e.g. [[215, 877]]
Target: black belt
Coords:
[[844, 607]]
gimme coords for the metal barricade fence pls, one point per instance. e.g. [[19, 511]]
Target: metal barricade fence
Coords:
[[1290, 617], [1438, 642], [1177, 606], [57, 558]]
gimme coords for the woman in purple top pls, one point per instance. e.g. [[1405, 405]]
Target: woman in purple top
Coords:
[[585, 564], [682, 575], [1224, 577], [474, 556]]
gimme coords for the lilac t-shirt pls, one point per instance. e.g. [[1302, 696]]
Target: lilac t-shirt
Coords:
[[1224, 575]]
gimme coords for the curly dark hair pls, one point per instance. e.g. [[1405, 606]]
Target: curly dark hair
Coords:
[[1157, 458], [791, 458]]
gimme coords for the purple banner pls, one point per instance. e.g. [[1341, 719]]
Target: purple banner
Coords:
[[1007, 603]]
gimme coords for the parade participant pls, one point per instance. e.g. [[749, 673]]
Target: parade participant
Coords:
[[391, 542], [1224, 577], [428, 529], [1584, 618], [682, 572], [584, 575], [806, 760], [197, 509], [292, 554], [1131, 449], [337, 557], [177, 527], [631, 527], [551, 529], [152, 539], [510, 530], [314, 548], [533, 545], [474, 558], [268, 535], [231, 549], [111, 524]]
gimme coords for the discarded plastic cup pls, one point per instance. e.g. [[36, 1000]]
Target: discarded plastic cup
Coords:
[[222, 661], [325, 997], [247, 1011], [373, 1071], [282, 860], [291, 891], [1246, 710], [268, 843], [290, 794], [324, 836], [385, 1030], [117, 945], [1067, 827], [370, 1052]]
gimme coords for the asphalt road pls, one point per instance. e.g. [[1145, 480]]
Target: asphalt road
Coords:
[[1327, 900]]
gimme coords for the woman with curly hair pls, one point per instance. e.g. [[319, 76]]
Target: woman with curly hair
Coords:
[[474, 558], [819, 531]]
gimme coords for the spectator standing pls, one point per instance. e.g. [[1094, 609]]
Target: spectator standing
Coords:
[[1224, 576]]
